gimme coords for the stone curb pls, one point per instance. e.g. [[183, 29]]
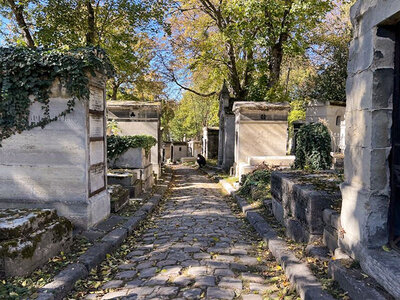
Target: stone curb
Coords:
[[356, 288], [298, 273], [64, 282]]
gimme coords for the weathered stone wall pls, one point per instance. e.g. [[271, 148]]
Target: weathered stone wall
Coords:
[[210, 143], [63, 165], [366, 191], [180, 150]]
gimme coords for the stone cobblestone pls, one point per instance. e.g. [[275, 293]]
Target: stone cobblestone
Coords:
[[196, 248]]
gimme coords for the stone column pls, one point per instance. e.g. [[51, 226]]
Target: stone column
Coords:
[[366, 191], [63, 165]]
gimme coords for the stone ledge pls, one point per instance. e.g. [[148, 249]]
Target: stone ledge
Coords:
[[356, 287], [298, 273], [64, 282]]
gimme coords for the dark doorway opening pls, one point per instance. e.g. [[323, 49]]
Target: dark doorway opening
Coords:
[[172, 153], [394, 211]]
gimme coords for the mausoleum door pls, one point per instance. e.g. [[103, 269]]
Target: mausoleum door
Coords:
[[394, 214]]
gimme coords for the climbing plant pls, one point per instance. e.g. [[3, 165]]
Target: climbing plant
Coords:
[[28, 74], [118, 145], [313, 147]]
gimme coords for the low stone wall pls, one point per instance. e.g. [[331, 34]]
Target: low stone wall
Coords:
[[134, 158], [299, 201]]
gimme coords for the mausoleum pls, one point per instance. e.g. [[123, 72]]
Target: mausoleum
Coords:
[[139, 118], [63, 165], [261, 135], [210, 142]]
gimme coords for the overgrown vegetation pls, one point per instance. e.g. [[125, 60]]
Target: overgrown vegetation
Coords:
[[313, 148], [27, 76], [260, 178], [118, 145]]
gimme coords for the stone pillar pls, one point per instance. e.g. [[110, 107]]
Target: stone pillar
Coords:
[[221, 138], [229, 142], [63, 165]]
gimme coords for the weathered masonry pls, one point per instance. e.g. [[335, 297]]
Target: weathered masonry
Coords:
[[261, 134], [226, 144], [138, 118], [62, 166], [210, 142], [370, 214]]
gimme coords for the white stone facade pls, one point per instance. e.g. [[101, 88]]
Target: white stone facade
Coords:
[[63, 165]]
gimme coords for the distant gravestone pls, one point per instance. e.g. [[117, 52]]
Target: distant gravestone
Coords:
[[62, 166]]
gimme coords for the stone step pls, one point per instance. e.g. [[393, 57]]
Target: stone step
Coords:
[[17, 223]]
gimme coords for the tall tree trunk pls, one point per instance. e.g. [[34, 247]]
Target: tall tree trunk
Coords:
[[115, 88], [90, 35], [18, 11], [275, 65], [233, 74]]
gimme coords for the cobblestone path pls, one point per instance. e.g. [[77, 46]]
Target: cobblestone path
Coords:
[[197, 248]]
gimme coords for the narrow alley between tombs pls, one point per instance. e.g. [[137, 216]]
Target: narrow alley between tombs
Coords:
[[196, 246]]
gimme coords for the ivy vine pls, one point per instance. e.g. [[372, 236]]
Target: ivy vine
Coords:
[[313, 147], [28, 74], [118, 145]]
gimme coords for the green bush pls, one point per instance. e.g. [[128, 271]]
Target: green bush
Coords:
[[313, 148], [256, 179], [118, 145]]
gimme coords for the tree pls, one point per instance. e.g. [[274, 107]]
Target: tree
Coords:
[[246, 40], [118, 26]]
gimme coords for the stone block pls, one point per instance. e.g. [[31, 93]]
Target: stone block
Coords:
[[295, 231], [352, 281], [133, 158], [119, 197], [302, 203], [32, 246], [95, 255], [278, 212], [65, 280], [115, 237], [330, 238]]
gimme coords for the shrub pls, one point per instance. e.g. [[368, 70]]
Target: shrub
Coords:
[[259, 178], [118, 145], [313, 148]]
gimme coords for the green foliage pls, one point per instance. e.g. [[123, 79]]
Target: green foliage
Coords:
[[117, 145], [258, 178], [313, 147], [27, 76]]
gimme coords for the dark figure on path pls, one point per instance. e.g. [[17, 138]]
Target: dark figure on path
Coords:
[[201, 160]]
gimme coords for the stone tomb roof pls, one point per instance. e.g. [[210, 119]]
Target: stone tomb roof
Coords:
[[261, 106], [261, 111], [134, 104]]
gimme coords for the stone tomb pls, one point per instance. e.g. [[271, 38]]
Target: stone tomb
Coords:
[[135, 161], [62, 166], [371, 191], [28, 238], [128, 180], [178, 151], [299, 200], [261, 134], [139, 118], [210, 142]]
